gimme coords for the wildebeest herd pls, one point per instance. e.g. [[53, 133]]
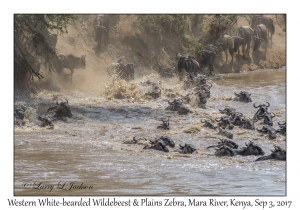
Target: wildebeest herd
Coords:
[[190, 71]]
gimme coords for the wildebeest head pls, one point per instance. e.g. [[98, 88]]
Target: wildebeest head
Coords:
[[158, 144], [263, 108], [248, 124], [206, 88], [277, 154], [244, 96], [225, 133], [209, 124], [46, 121], [64, 109], [268, 129], [165, 125], [19, 113], [202, 97], [168, 141], [252, 149], [225, 121], [282, 128], [267, 118], [227, 111], [228, 143], [187, 148]]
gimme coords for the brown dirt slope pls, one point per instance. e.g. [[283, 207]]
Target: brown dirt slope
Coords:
[[149, 52]]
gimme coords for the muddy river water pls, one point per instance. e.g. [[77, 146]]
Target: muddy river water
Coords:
[[87, 150]]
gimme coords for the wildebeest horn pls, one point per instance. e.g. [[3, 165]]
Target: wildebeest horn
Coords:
[[202, 121], [216, 119], [256, 106], [268, 104], [210, 85], [261, 115], [57, 102], [237, 94], [281, 123]]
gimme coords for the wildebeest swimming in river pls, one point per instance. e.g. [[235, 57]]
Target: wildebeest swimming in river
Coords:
[[70, 62], [187, 148], [277, 154], [125, 72], [158, 144], [61, 109]]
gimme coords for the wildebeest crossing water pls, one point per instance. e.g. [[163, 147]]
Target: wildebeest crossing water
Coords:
[[89, 147]]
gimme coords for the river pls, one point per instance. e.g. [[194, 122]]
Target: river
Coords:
[[87, 150]]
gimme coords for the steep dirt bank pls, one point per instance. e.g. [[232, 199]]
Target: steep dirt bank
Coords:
[[150, 52]]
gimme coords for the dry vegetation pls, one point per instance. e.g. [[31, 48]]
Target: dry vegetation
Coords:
[[153, 49]]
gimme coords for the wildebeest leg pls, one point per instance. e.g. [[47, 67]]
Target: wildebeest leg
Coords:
[[226, 53]]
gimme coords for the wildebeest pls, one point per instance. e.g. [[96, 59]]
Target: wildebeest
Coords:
[[19, 114], [250, 149], [277, 154], [249, 124], [101, 28], [158, 144], [259, 36], [243, 96], [267, 21], [226, 43], [194, 80], [125, 72], [206, 88], [282, 128], [186, 64], [177, 105], [225, 133], [267, 118], [263, 108], [70, 62], [202, 98], [165, 125], [46, 121], [225, 142], [187, 148], [243, 38], [208, 124], [168, 141], [225, 122], [208, 56], [156, 91], [227, 111], [61, 109], [268, 129]]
